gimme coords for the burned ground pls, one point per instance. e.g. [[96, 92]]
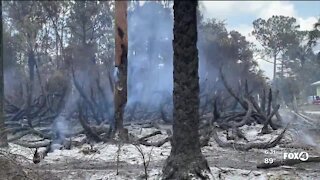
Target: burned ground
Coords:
[[225, 163]]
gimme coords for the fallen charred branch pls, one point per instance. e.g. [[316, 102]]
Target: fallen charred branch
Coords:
[[36, 109], [43, 142], [156, 144], [149, 135], [28, 117], [27, 131], [138, 123], [33, 145], [20, 135], [248, 146], [143, 140], [14, 130], [204, 139], [38, 156], [287, 162], [19, 114]]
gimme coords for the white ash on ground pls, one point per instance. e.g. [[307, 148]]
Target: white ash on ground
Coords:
[[225, 163]]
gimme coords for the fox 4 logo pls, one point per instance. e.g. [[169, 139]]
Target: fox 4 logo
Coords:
[[302, 156]]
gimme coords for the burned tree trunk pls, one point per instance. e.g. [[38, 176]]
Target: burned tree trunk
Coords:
[[121, 63], [185, 160], [3, 135], [30, 85]]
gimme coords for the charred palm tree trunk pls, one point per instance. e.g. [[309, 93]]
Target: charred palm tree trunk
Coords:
[[3, 135], [186, 159]]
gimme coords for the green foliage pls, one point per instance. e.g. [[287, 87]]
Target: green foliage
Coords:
[[91, 27], [314, 37], [299, 68], [276, 34], [89, 20], [27, 19]]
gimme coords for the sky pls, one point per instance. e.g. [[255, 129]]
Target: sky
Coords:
[[239, 15]]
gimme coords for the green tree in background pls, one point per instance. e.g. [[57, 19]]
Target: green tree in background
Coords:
[[276, 35]]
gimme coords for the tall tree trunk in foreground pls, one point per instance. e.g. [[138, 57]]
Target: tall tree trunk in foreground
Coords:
[[3, 135], [121, 62], [186, 159]]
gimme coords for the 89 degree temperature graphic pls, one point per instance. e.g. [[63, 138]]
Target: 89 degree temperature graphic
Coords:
[[269, 160]]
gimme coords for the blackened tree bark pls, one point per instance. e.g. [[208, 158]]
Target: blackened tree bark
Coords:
[[31, 65], [3, 135], [186, 159], [121, 62]]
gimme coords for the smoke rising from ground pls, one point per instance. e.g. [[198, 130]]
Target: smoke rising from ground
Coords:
[[300, 127], [150, 69], [150, 57]]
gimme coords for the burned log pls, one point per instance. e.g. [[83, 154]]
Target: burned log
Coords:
[[33, 145], [29, 131], [38, 156], [156, 144], [149, 135], [143, 140]]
